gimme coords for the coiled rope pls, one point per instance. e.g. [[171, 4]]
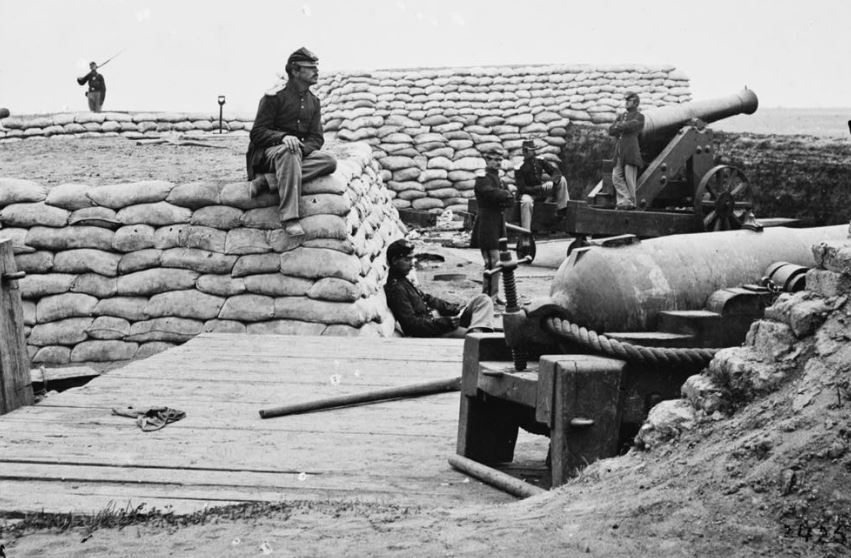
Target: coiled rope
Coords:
[[626, 351]]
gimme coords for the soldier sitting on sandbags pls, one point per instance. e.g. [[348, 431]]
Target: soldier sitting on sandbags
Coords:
[[423, 315], [285, 142]]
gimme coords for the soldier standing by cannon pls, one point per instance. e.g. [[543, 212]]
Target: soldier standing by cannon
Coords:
[[627, 158], [97, 87]]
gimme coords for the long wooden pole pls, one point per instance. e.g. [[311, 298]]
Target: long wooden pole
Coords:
[[493, 477], [412, 390], [15, 385]]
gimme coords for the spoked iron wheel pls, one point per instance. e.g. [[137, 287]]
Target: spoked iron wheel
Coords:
[[722, 199]]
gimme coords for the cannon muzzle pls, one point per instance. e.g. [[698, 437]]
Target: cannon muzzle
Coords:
[[4, 112], [667, 120]]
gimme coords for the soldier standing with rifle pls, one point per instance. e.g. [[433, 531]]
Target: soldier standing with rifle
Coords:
[[626, 129], [97, 87]]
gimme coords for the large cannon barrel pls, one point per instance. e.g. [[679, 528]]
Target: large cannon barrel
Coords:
[[625, 288], [667, 120]]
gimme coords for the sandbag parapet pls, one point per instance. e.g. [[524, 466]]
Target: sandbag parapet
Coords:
[[125, 270]]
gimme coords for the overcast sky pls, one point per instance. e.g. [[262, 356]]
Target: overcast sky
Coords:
[[181, 54]]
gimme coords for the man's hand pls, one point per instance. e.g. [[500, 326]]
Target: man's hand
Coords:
[[455, 321], [292, 143]]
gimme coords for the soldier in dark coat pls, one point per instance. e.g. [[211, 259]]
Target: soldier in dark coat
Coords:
[[97, 87], [627, 157], [492, 197], [422, 315], [286, 139]]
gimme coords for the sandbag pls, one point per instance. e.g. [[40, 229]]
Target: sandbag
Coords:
[[158, 280], [262, 218], [218, 216], [67, 305], [68, 238], [202, 261], [156, 214], [69, 331], [344, 246], [204, 238], [119, 196], [319, 204], [285, 327], [84, 260], [223, 326], [246, 241], [168, 237], [309, 310], [103, 351], [52, 354], [95, 217], [184, 304], [329, 184], [16, 190], [98, 286], [109, 327], [335, 290], [276, 284], [130, 308], [139, 260], [35, 286], [195, 195], [176, 330], [69, 196], [248, 308], [131, 238], [252, 264], [317, 263], [220, 285], [151, 348], [35, 262], [26, 215]]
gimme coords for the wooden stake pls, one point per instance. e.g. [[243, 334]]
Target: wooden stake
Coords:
[[15, 385]]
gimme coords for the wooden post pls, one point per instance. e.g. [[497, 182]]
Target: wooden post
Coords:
[[15, 384]]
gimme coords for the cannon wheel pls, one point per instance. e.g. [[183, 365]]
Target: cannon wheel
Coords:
[[722, 198], [525, 247]]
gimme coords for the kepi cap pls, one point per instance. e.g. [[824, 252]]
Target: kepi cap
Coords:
[[528, 144], [399, 249], [303, 57]]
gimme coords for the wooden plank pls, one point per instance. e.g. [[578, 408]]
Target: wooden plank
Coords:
[[517, 387], [15, 385], [182, 481], [408, 419], [40, 375], [70, 453]]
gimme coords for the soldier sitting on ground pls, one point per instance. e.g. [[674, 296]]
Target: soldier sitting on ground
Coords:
[[423, 315]]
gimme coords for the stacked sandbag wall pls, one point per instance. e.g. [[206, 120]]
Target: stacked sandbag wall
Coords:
[[122, 271], [429, 127], [132, 125]]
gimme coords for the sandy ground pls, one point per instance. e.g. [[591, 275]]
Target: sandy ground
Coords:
[[722, 490]]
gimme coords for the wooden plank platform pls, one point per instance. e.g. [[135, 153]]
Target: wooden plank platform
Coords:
[[69, 453]]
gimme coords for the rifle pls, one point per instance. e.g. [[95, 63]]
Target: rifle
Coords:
[[102, 64]]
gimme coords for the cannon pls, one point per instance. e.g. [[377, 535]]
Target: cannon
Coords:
[[682, 189], [4, 112], [625, 325]]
